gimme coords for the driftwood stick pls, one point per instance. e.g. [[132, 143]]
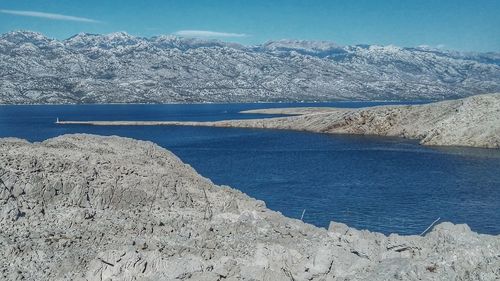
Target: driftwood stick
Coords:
[[429, 227], [302, 217]]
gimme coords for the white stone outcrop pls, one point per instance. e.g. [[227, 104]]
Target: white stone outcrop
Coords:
[[83, 207]]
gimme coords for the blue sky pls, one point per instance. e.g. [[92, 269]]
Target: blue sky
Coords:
[[472, 25]]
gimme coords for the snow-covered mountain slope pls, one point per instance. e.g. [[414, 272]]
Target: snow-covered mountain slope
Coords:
[[118, 67]]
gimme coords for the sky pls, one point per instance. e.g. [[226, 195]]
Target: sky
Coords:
[[472, 25]]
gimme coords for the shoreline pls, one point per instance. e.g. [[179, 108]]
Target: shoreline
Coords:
[[468, 122], [208, 103]]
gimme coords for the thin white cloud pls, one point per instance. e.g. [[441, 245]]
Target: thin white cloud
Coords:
[[208, 34], [48, 16]]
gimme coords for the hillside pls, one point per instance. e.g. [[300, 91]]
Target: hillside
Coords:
[[120, 68]]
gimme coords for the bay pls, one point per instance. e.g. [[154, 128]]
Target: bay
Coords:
[[375, 183]]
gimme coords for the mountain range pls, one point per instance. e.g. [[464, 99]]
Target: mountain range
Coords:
[[120, 68]]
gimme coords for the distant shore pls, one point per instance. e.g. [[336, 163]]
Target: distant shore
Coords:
[[254, 102], [472, 121]]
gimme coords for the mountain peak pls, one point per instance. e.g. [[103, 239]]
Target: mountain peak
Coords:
[[24, 35], [119, 35]]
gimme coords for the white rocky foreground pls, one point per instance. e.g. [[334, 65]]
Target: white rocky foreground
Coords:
[[82, 207]]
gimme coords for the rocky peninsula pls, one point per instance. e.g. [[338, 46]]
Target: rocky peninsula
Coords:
[[472, 121], [84, 207]]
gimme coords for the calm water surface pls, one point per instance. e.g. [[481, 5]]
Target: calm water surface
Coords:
[[375, 183]]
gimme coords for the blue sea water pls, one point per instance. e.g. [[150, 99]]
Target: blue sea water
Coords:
[[375, 183]]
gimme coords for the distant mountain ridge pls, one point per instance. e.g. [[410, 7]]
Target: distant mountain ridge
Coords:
[[120, 68]]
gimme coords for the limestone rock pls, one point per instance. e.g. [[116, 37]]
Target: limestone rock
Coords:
[[83, 207]]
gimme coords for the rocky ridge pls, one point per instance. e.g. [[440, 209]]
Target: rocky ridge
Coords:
[[472, 121], [120, 68], [83, 207]]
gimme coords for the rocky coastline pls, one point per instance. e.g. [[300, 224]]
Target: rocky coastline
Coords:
[[472, 121]]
